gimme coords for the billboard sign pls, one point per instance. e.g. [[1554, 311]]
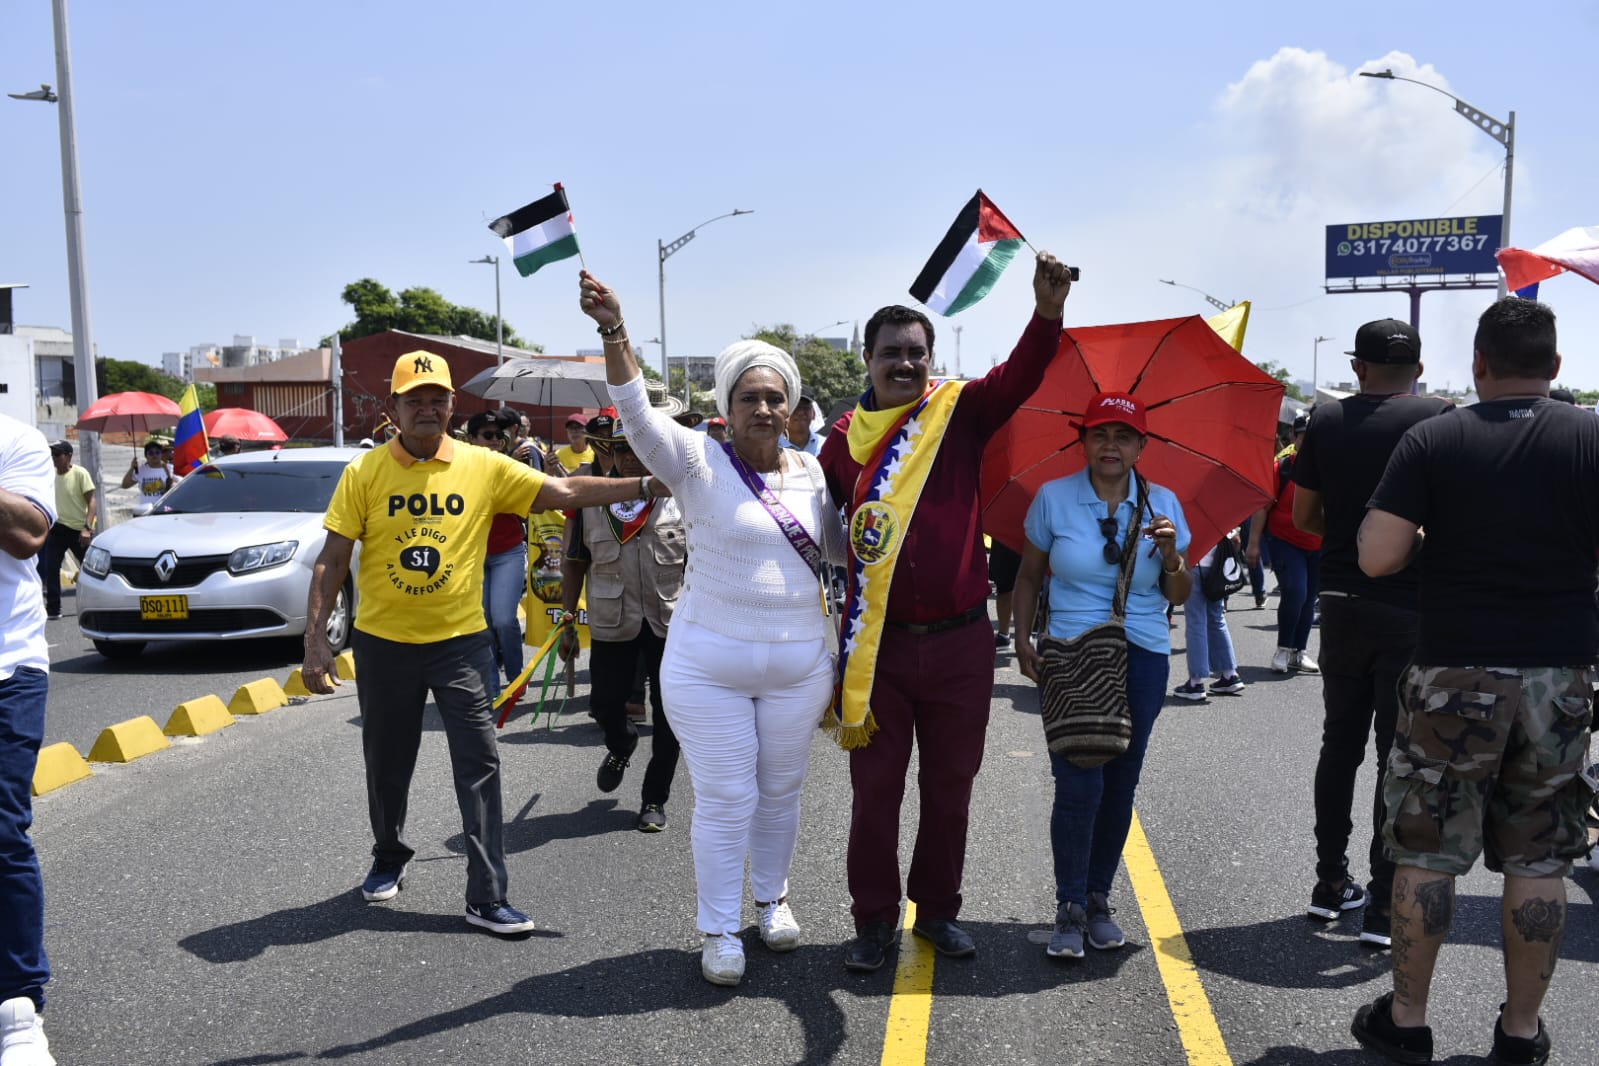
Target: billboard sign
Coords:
[[1414, 246]]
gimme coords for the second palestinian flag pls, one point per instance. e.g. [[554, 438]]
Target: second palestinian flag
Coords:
[[970, 258], [540, 233]]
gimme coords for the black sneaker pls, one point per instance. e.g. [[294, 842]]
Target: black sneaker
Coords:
[[1002, 642], [652, 819], [498, 917], [609, 775], [1190, 690], [1327, 902], [1374, 1027], [1227, 686], [1520, 1050], [869, 948], [383, 881], [1376, 927]]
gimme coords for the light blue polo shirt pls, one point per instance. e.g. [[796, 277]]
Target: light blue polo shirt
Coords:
[[1064, 522]]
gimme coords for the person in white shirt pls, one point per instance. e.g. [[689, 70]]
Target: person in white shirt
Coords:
[[748, 667], [27, 510], [153, 476]]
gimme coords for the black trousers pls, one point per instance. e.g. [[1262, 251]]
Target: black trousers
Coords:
[[395, 680], [57, 543], [1365, 646], [612, 668]]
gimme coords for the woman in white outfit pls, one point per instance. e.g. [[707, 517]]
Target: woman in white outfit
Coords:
[[748, 668]]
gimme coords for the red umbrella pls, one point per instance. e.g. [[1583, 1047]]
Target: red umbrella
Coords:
[[243, 423], [1212, 425], [129, 412]]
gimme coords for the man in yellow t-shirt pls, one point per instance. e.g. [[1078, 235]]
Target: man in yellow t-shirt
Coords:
[[578, 453], [420, 507], [77, 508]]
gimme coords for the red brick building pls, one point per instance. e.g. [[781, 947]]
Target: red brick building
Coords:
[[297, 391]]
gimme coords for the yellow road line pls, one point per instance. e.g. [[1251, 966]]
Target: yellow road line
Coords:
[[905, 1041], [1196, 1025]]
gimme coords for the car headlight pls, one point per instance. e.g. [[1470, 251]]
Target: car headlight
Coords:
[[261, 556], [97, 562]]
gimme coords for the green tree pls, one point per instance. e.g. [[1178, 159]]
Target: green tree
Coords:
[[417, 310], [827, 373], [1281, 374], [128, 375]]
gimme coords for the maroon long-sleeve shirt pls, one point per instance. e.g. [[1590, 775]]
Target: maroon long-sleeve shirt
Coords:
[[941, 571]]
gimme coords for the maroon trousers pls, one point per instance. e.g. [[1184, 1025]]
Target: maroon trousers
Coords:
[[935, 688]]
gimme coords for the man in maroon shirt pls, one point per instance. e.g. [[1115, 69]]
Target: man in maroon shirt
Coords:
[[935, 666]]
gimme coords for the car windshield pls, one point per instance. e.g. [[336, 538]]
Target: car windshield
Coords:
[[298, 486]]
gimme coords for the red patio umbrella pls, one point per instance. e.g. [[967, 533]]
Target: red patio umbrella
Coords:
[[129, 412], [1212, 425], [243, 423]]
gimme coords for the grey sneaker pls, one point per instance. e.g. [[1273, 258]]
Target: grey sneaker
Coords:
[[1103, 933], [1067, 940]]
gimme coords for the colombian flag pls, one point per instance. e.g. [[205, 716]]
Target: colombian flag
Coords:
[[191, 450]]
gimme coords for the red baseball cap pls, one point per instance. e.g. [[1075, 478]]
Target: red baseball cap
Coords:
[[1107, 407], [716, 420]]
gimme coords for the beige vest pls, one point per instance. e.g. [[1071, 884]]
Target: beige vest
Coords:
[[635, 581]]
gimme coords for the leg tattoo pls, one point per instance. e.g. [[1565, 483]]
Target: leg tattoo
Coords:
[[1542, 920], [1437, 902]]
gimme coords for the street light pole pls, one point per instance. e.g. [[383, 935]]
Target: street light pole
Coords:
[[87, 387], [1220, 305], [1502, 132], [499, 321], [663, 252], [1315, 367]]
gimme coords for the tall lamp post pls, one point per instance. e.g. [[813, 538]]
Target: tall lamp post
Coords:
[[798, 337], [87, 390], [1315, 366], [1220, 305], [1502, 132], [663, 252], [499, 322]]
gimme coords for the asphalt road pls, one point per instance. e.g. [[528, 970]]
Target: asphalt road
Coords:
[[201, 903]]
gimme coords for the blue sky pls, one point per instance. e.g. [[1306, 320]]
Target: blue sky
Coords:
[[242, 162]]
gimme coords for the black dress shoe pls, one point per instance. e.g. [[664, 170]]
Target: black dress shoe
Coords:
[[869, 948], [946, 937]]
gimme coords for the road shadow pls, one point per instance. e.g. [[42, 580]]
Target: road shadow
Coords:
[[572, 727], [1302, 952], [1351, 1056], [182, 658], [523, 832], [344, 913]]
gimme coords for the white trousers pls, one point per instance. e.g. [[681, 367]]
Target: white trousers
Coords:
[[745, 712]]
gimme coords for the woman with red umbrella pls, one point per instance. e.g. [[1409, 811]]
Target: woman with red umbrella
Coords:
[[1080, 529]]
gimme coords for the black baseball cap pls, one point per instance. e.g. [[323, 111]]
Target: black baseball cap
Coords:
[[61, 447], [1387, 340], [1301, 421]]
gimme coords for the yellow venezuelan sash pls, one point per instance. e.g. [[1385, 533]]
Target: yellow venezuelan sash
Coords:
[[896, 450]]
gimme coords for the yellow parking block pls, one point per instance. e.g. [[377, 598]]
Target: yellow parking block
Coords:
[[59, 765], [344, 666], [126, 741], [295, 687], [196, 718], [258, 697]]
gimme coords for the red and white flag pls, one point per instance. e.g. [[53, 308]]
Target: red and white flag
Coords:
[[1576, 250]]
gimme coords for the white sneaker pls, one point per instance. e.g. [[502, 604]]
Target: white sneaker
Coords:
[[1304, 663], [722, 959], [22, 1041], [779, 930], [1282, 662]]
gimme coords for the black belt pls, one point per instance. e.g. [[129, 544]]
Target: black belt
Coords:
[[965, 618]]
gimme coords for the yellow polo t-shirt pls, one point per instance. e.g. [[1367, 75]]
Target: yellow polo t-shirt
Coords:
[[571, 459], [423, 527]]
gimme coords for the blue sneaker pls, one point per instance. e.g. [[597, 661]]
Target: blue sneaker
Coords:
[[498, 917], [383, 882]]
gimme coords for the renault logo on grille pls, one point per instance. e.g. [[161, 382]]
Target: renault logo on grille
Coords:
[[165, 565]]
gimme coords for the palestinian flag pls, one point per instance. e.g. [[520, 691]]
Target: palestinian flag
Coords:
[[540, 233], [970, 258]]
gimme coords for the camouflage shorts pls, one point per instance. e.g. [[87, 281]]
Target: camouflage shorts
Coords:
[[1488, 760]]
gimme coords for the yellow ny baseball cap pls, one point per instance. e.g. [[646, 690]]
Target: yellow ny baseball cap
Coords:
[[420, 368]]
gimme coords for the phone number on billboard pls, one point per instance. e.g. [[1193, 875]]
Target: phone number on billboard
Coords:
[[1414, 245]]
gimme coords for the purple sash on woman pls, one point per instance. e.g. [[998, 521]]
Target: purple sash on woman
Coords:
[[802, 541]]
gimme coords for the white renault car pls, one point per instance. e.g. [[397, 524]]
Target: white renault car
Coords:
[[226, 554]]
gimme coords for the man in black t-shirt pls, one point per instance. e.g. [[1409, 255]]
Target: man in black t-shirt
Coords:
[[1368, 625], [1497, 500]]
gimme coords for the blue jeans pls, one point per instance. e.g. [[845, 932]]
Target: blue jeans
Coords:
[[23, 966], [1257, 569], [1210, 646], [504, 582], [1094, 808], [1299, 579]]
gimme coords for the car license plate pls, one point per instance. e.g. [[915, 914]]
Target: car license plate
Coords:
[[164, 608]]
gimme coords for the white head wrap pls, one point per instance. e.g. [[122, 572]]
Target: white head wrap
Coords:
[[739, 357]]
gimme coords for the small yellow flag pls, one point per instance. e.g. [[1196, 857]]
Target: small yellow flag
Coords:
[[1231, 323]]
